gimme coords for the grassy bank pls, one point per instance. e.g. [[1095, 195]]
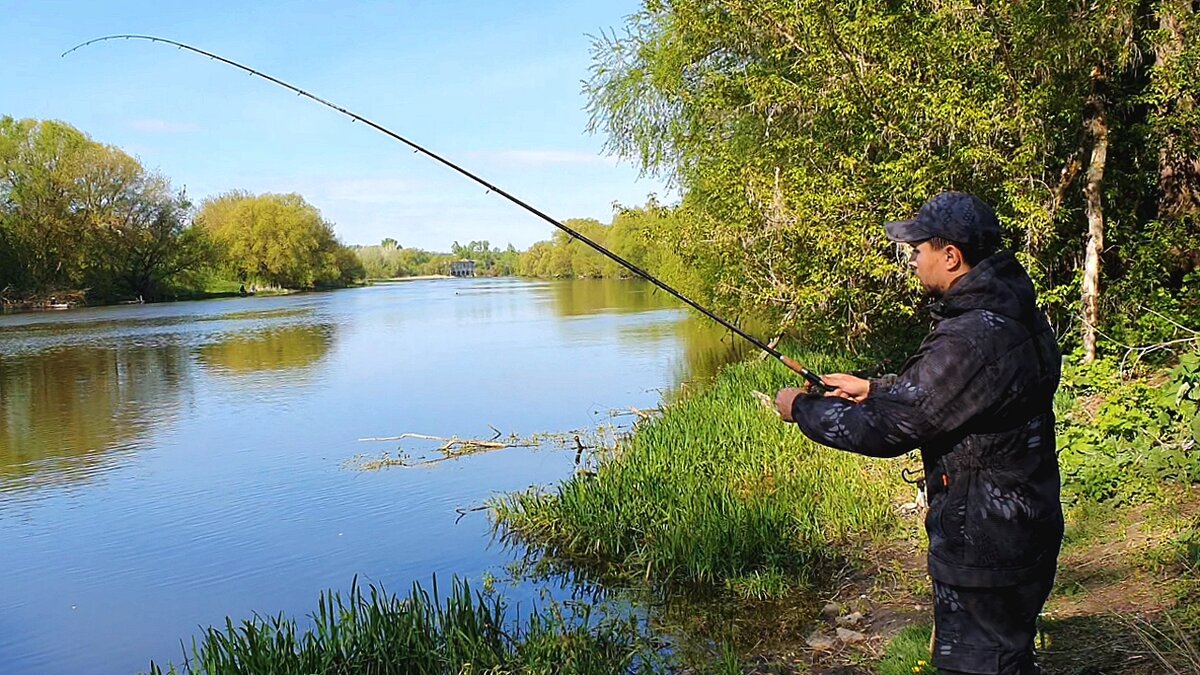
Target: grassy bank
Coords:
[[716, 491]]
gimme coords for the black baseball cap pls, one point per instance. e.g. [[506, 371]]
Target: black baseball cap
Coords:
[[954, 216]]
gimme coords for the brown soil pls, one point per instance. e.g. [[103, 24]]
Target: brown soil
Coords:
[[1111, 611]]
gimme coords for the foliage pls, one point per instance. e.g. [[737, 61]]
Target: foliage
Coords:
[[796, 128], [378, 633], [1121, 439], [390, 261], [76, 214], [565, 256], [652, 237], [489, 261], [278, 240]]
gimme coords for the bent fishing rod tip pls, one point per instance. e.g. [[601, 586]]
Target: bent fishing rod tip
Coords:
[[814, 380]]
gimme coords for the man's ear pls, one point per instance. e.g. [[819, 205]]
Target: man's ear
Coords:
[[955, 260]]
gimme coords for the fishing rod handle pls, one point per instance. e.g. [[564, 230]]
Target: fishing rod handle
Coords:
[[813, 379]]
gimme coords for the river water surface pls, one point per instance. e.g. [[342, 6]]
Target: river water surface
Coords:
[[165, 466]]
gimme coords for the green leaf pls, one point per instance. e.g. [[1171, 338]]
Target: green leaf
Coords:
[[1190, 362]]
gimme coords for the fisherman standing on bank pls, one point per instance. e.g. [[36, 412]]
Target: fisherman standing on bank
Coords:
[[977, 399]]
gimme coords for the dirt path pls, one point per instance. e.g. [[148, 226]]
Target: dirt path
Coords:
[[1114, 609]]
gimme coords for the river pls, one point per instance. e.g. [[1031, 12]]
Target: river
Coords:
[[165, 466]]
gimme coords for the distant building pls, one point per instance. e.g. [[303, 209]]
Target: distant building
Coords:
[[462, 268]]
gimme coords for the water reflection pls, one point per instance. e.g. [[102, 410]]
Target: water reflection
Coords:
[[290, 348], [692, 622], [65, 411], [582, 297], [707, 346], [72, 405]]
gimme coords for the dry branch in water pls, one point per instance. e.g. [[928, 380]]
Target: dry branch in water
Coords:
[[451, 448], [455, 447], [638, 412]]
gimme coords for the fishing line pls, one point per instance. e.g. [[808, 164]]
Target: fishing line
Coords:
[[812, 378]]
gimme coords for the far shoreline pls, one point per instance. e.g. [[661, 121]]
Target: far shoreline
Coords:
[[51, 304], [420, 277]]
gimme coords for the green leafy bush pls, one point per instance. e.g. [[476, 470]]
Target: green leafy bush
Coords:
[[1122, 439]]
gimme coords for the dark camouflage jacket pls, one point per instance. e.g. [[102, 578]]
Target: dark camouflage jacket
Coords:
[[977, 398]]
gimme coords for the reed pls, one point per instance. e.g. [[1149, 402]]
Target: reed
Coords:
[[379, 634], [716, 491]]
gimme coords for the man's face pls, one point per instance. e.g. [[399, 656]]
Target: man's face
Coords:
[[929, 264]]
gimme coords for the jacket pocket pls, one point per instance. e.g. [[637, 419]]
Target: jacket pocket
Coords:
[[952, 517]]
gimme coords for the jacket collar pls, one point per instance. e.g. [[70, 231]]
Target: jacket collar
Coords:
[[998, 284]]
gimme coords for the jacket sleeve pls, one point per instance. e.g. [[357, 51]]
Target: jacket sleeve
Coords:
[[942, 386]]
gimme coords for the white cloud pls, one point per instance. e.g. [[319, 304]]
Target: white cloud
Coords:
[[153, 126]]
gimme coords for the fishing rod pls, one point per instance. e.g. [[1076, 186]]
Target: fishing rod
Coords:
[[812, 378]]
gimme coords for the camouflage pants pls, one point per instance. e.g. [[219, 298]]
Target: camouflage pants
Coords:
[[987, 631]]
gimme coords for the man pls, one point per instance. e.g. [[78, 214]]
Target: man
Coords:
[[977, 398]]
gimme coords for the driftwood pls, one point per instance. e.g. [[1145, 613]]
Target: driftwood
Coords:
[[455, 447], [649, 413], [463, 511], [451, 448]]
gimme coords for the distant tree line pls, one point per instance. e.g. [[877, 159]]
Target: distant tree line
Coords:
[[84, 220], [648, 236], [389, 260]]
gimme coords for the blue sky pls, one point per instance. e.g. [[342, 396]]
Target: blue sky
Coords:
[[494, 86]]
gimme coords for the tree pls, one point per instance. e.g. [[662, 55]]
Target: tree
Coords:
[[76, 214], [43, 163], [796, 128], [277, 239], [147, 240]]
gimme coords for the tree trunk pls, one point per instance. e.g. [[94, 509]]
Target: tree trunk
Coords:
[[1179, 169], [1097, 127]]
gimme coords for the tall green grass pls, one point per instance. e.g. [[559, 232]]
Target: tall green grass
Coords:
[[716, 491], [380, 634]]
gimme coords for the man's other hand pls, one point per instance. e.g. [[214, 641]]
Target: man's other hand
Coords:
[[848, 387], [784, 400]]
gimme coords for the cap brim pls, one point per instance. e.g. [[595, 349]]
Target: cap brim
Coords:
[[905, 231]]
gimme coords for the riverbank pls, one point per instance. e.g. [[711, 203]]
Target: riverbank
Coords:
[[744, 548], [62, 300], [718, 493], [42, 302], [222, 289]]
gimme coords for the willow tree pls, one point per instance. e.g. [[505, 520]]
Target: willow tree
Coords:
[[77, 214], [44, 230], [795, 128], [276, 239]]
